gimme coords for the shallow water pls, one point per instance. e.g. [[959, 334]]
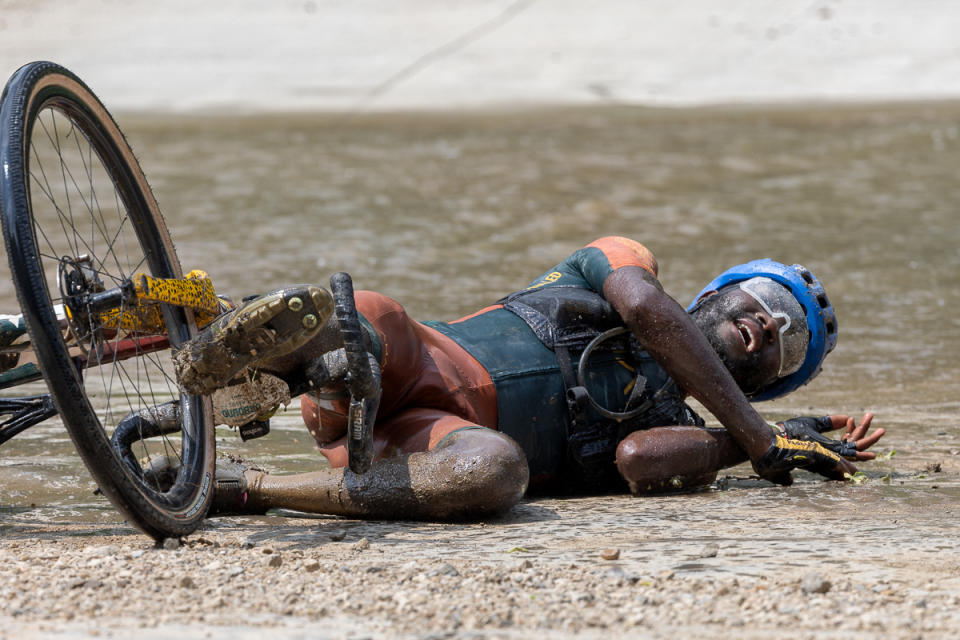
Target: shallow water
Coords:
[[448, 212]]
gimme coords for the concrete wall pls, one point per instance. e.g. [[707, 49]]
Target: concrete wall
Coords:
[[389, 54]]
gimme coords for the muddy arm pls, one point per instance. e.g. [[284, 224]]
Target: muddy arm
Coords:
[[672, 458], [665, 330]]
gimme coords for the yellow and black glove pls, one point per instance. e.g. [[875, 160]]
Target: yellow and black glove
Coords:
[[787, 454], [811, 430]]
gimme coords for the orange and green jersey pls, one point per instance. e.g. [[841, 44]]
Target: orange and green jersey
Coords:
[[525, 370]]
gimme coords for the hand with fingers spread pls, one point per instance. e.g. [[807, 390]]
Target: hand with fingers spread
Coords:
[[857, 433], [852, 445], [800, 443], [787, 454]]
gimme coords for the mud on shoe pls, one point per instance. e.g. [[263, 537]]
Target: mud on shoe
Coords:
[[231, 488], [267, 327]]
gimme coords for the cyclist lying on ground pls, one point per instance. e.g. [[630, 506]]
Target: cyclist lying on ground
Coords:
[[473, 411]]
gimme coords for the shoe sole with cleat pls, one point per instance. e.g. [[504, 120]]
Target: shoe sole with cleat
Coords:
[[267, 327]]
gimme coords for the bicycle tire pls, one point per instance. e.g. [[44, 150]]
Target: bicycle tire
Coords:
[[43, 108]]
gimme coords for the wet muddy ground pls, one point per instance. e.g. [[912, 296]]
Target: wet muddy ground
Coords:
[[814, 560], [449, 212]]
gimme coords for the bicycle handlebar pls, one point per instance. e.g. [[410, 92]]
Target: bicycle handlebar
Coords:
[[363, 376]]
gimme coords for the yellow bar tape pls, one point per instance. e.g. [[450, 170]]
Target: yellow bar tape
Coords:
[[195, 291]]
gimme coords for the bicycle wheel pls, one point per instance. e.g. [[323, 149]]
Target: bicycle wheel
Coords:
[[76, 208]]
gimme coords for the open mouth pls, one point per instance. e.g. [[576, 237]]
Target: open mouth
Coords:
[[749, 333]]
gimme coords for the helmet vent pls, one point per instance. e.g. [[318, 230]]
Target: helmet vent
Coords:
[[823, 302], [806, 276], [831, 328]]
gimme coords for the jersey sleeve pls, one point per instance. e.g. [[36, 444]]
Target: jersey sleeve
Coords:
[[624, 252], [590, 266]]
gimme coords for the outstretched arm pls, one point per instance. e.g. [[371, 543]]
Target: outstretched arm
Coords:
[[671, 458], [668, 333]]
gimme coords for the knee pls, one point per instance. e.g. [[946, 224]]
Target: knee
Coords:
[[324, 425], [489, 472]]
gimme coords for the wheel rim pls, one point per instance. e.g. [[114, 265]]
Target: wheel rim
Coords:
[[82, 212]]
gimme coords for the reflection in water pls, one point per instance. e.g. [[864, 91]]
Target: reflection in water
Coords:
[[448, 212]]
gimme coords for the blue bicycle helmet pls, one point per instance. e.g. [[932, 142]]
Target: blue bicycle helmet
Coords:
[[821, 320]]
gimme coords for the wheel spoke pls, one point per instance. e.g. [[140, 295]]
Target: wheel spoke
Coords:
[[81, 242]]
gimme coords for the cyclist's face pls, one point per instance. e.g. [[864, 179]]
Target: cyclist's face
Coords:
[[743, 334]]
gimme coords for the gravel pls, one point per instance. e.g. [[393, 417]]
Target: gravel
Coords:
[[754, 565], [216, 580]]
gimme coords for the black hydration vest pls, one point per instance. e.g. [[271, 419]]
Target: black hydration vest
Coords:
[[567, 320]]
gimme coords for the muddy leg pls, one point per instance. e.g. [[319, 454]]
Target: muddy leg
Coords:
[[472, 473], [669, 458]]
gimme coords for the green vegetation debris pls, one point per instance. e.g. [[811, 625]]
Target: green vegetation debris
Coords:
[[519, 550], [858, 478], [885, 456]]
